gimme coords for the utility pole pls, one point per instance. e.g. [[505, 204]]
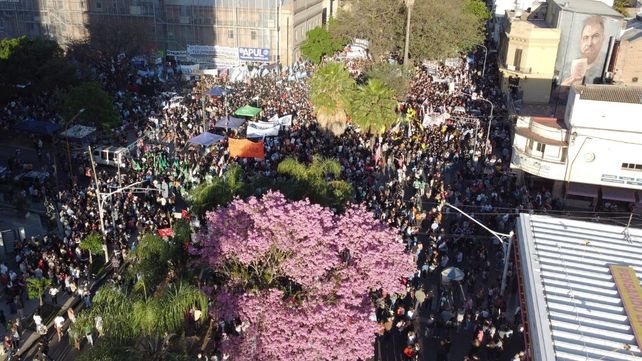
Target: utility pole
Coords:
[[100, 204], [409, 5]]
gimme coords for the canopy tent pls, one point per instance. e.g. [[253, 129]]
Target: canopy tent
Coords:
[[216, 91], [206, 139], [247, 111], [229, 122], [78, 132], [38, 127]]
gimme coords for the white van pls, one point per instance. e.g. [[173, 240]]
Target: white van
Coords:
[[112, 156]]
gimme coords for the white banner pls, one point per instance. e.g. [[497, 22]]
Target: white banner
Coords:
[[262, 129], [286, 120], [433, 119], [274, 119]]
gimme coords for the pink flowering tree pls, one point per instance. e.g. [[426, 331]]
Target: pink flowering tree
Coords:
[[300, 277]]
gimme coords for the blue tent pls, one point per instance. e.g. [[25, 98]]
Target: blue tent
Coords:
[[230, 122], [37, 126], [216, 91], [206, 139]]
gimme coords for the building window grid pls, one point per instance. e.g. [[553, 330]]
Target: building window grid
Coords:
[[541, 147], [632, 166]]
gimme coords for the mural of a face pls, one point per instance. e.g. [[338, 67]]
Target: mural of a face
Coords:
[[592, 39]]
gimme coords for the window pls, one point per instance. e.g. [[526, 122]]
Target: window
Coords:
[[99, 5], [517, 60], [632, 166], [230, 34], [253, 35], [541, 147]]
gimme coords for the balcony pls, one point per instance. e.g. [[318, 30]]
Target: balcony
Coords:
[[533, 163], [517, 70]]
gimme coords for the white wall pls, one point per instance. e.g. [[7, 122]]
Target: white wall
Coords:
[[599, 161]]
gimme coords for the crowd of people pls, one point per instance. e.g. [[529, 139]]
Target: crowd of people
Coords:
[[404, 176]]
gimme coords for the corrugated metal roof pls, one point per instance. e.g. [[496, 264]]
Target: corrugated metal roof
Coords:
[[588, 7], [610, 93], [574, 309]]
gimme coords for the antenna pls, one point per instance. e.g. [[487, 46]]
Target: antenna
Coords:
[[625, 232]]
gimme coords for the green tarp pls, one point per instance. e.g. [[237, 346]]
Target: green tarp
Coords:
[[247, 111]]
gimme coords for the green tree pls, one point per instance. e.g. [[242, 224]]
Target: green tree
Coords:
[[151, 260], [373, 107], [443, 29], [93, 244], [29, 67], [331, 91], [36, 287], [439, 29], [98, 105], [139, 324], [380, 21], [621, 6], [319, 42], [318, 182], [394, 76], [220, 191]]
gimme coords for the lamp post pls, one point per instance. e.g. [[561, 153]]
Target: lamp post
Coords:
[[505, 239], [490, 118], [82, 110], [409, 5], [485, 56]]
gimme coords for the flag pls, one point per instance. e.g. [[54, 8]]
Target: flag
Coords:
[[244, 148]]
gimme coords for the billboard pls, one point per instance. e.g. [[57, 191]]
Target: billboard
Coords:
[[254, 54], [584, 45]]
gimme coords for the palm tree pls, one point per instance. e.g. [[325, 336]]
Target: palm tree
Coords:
[[143, 324], [373, 106], [93, 244], [331, 91]]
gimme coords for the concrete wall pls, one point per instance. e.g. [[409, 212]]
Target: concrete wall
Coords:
[[628, 67]]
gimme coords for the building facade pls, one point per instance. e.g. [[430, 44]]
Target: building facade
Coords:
[[626, 66], [220, 32], [594, 152], [527, 55]]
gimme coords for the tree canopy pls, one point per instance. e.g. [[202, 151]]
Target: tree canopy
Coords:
[[319, 42], [318, 182], [331, 91], [31, 66], [439, 29], [98, 105], [373, 107], [394, 76], [300, 277]]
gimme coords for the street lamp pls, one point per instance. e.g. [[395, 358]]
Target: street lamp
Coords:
[[82, 110], [485, 55], [409, 5], [490, 118], [505, 239]]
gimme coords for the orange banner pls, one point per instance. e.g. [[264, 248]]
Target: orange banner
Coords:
[[244, 148], [628, 286]]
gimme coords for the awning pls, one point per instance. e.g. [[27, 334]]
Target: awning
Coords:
[[229, 122], [206, 139], [38, 127], [581, 189], [618, 194], [247, 111]]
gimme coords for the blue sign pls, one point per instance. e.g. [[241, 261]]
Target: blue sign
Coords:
[[254, 54]]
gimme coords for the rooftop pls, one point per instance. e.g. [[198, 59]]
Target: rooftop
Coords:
[[592, 7], [610, 93], [574, 309]]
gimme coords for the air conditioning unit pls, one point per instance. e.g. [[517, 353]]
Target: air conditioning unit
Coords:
[[135, 10]]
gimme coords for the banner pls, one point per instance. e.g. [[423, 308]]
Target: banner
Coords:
[[286, 120], [433, 119], [244, 148], [628, 286], [262, 129], [274, 119], [165, 232], [254, 54]]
